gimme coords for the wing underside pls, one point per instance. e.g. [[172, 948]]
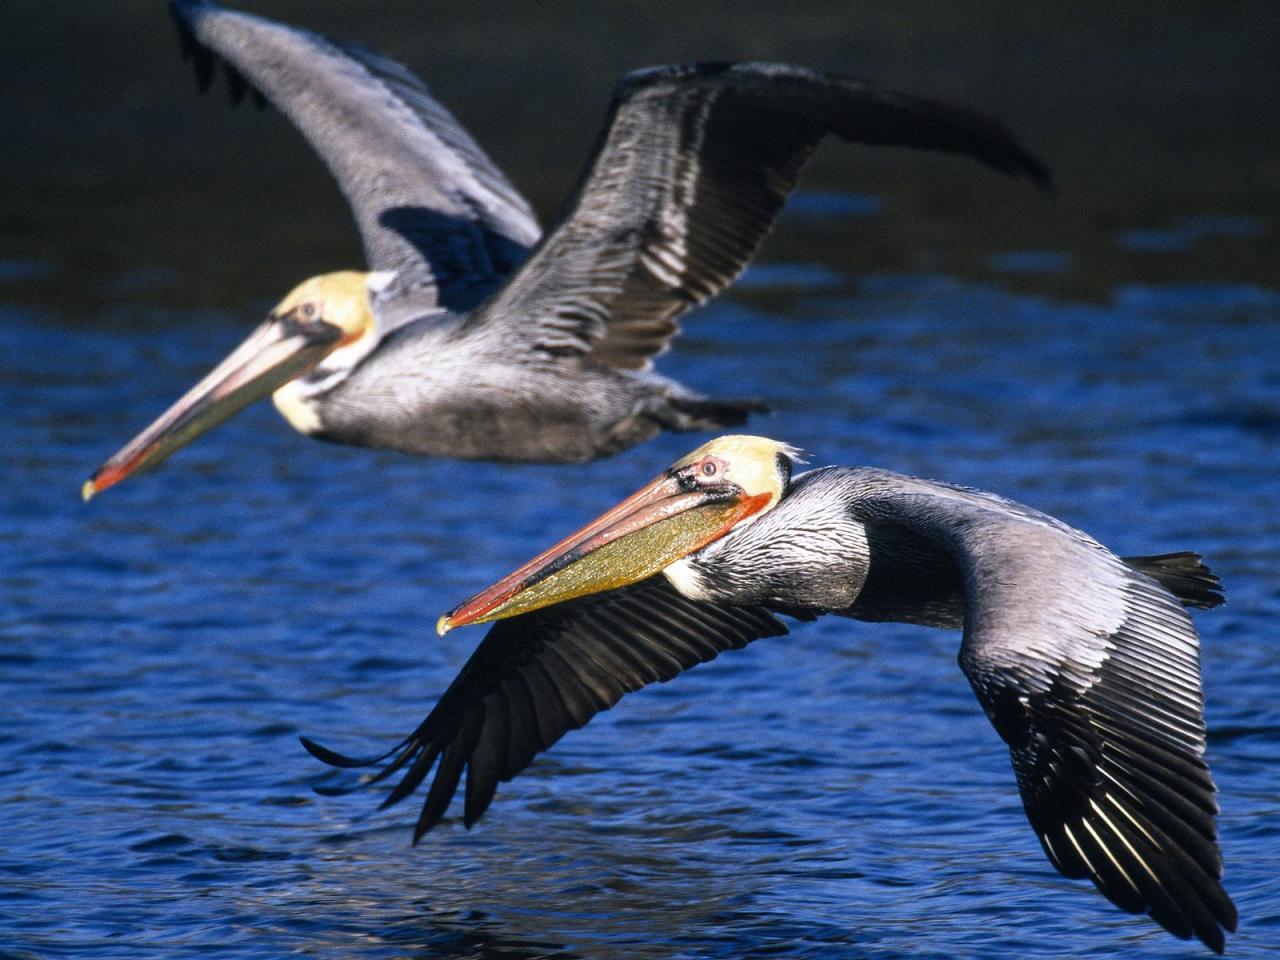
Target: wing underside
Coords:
[[693, 166], [427, 201], [537, 676], [1090, 671]]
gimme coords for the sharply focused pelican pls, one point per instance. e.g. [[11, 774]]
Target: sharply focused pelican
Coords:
[[474, 335], [1084, 662]]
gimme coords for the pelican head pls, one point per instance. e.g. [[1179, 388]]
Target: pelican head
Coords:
[[312, 338], [692, 503]]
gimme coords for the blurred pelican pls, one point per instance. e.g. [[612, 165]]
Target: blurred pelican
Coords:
[[475, 336], [1084, 662]]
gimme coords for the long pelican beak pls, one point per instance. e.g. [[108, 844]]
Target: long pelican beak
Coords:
[[276, 352], [660, 523]]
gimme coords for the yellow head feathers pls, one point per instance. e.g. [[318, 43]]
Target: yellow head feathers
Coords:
[[340, 298], [344, 300], [750, 462]]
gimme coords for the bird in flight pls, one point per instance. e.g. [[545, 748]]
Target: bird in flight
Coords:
[[474, 335], [1086, 663]]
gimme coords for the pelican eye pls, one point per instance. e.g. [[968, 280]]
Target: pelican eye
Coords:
[[712, 474], [309, 310], [706, 475]]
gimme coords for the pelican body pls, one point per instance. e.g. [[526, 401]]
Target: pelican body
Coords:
[[475, 336], [1086, 663]]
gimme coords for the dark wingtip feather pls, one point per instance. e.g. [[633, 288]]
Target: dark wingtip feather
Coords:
[[697, 413], [1028, 165], [186, 39], [335, 759], [1185, 575], [882, 116], [444, 785], [424, 825], [186, 15], [237, 85], [995, 144], [325, 790], [182, 12], [423, 760], [325, 755], [963, 130], [203, 61]]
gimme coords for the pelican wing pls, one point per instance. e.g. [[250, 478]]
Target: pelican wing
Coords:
[[427, 201], [693, 165], [1090, 672], [536, 676]]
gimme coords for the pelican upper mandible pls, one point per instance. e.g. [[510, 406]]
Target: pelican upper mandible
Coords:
[[475, 336], [1086, 663]]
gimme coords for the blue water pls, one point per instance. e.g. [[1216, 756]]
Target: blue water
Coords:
[[836, 793]]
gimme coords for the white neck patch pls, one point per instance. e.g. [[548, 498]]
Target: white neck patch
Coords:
[[295, 406], [685, 578]]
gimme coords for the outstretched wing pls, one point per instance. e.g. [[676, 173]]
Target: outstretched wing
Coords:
[[1090, 671], [693, 165], [427, 201], [536, 676]]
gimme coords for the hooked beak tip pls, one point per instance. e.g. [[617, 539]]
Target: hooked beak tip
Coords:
[[271, 356], [105, 476], [444, 625]]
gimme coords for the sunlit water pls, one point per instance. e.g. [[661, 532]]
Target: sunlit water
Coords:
[[835, 793]]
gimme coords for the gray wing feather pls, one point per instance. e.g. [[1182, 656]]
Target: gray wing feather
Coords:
[[693, 165], [427, 201], [1090, 671], [537, 676]]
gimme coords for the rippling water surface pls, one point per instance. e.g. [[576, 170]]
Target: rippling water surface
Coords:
[[834, 793], [1113, 359]]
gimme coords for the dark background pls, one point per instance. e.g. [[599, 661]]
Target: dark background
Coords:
[[121, 187]]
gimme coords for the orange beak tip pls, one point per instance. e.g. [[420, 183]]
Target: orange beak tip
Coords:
[[88, 489], [444, 625]]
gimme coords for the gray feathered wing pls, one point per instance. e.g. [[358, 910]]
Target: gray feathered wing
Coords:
[[426, 199], [1090, 672], [536, 676], [691, 169]]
